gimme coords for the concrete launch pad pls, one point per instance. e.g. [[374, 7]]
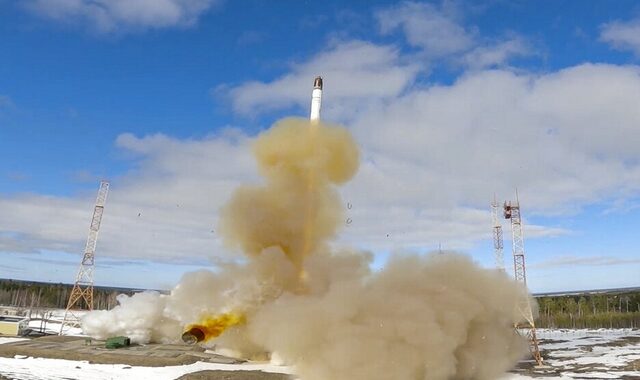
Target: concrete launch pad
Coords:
[[576, 354]]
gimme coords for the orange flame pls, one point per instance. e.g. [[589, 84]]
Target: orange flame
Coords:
[[213, 327]]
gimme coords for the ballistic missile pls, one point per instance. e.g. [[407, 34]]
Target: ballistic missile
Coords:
[[316, 100]]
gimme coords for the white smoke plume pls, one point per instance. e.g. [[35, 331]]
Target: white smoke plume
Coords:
[[322, 310]]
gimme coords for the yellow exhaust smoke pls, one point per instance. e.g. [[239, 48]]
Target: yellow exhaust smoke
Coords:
[[211, 327], [297, 210]]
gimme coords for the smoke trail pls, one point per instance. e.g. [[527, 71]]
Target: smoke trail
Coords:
[[324, 311], [297, 210]]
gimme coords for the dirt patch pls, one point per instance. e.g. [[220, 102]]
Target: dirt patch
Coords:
[[551, 341], [58, 338], [234, 375], [632, 366]]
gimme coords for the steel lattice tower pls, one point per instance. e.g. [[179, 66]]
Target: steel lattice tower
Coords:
[[498, 244], [512, 211], [83, 287]]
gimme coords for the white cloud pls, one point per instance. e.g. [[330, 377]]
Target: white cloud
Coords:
[[434, 30], [355, 72], [496, 55], [108, 16], [565, 139], [440, 34], [401, 227], [165, 209], [359, 74], [622, 35]]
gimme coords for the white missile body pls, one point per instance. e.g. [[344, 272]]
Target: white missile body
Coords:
[[316, 100]]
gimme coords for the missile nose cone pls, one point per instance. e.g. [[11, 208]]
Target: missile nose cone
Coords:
[[317, 83]]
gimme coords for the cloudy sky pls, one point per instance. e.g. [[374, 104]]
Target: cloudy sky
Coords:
[[451, 102]]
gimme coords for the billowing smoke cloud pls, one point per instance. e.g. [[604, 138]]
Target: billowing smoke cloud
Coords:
[[297, 211], [321, 309]]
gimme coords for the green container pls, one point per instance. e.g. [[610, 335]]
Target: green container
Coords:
[[117, 342]]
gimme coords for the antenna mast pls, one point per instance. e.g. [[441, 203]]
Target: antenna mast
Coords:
[[512, 211], [83, 287], [498, 244]]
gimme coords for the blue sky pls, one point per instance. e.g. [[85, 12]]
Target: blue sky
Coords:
[[450, 102]]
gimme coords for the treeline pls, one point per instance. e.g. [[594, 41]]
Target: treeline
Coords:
[[33, 295], [600, 310]]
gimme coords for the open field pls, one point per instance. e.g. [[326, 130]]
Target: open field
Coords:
[[569, 354]]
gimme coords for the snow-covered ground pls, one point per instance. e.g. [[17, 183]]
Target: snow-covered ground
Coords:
[[4, 340], [52, 326], [57, 369], [28, 368], [49, 321], [569, 354], [587, 354]]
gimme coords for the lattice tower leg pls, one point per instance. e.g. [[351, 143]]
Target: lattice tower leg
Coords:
[[83, 286], [519, 270]]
